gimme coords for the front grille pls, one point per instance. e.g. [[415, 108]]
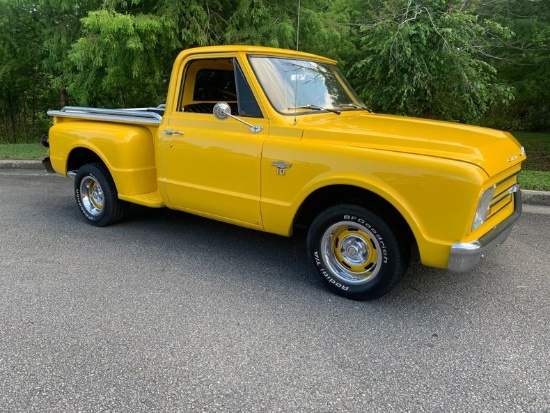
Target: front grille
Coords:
[[504, 194]]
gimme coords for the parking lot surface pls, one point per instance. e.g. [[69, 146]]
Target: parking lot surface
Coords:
[[169, 312]]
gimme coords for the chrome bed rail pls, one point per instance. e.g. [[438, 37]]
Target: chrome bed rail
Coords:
[[139, 116]]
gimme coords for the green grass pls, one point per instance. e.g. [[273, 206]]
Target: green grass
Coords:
[[26, 151], [535, 173], [539, 180]]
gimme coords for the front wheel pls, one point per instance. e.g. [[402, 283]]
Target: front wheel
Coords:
[[356, 252], [97, 197]]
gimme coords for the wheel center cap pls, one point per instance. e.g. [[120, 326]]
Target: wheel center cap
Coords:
[[352, 252]]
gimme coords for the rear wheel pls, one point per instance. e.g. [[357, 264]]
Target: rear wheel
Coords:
[[97, 197], [357, 253]]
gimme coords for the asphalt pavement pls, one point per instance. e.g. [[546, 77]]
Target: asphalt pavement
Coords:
[[168, 312]]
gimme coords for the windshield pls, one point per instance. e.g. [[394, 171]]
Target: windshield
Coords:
[[296, 86]]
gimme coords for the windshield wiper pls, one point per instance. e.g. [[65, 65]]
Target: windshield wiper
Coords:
[[315, 107], [356, 106]]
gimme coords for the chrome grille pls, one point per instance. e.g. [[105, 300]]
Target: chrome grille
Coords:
[[504, 194]]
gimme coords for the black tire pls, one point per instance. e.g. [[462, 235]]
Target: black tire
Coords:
[[356, 252], [97, 197]]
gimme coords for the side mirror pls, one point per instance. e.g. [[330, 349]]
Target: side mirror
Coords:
[[222, 111]]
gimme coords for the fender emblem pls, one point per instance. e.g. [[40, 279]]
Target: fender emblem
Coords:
[[281, 167], [513, 158]]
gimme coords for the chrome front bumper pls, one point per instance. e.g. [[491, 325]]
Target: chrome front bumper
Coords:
[[465, 256]]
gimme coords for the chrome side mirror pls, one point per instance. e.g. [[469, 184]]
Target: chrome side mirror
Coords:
[[222, 111]]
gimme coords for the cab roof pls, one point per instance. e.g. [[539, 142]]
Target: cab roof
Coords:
[[255, 50]]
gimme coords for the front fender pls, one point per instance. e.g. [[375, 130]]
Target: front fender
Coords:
[[436, 197]]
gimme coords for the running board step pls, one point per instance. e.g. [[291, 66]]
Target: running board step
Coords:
[[150, 199]]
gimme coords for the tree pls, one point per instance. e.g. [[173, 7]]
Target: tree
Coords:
[[446, 59], [34, 67], [22, 82], [523, 63], [60, 26], [122, 59], [126, 50], [428, 58]]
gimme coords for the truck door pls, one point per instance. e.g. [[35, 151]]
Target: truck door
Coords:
[[212, 167]]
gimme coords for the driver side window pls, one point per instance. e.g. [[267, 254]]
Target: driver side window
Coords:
[[209, 81]]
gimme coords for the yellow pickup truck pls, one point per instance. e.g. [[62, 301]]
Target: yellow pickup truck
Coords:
[[274, 140]]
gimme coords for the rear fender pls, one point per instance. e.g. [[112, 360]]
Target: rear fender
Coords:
[[126, 150]]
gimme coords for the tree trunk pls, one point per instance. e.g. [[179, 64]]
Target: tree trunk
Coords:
[[63, 97]]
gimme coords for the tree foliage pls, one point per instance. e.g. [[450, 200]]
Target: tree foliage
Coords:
[[464, 60], [34, 65], [20, 76], [427, 59], [523, 63], [126, 42]]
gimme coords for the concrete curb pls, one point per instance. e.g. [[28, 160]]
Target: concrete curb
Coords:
[[529, 197], [18, 164]]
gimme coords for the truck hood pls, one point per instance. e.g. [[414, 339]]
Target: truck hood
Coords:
[[490, 149]]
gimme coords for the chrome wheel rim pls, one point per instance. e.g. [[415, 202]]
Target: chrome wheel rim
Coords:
[[91, 196], [351, 252]]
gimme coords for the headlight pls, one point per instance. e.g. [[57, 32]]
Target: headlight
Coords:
[[483, 207]]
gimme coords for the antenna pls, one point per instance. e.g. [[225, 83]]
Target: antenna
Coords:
[[298, 26], [297, 50]]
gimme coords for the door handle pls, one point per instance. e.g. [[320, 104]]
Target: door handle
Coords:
[[173, 132]]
